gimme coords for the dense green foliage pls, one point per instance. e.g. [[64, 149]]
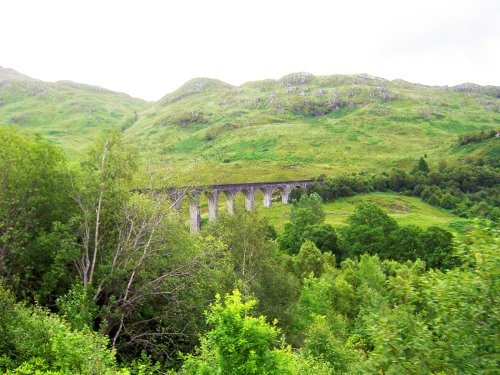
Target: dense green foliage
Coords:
[[35, 211], [35, 340], [306, 222], [370, 230], [97, 278], [81, 244], [253, 263], [468, 190], [392, 317], [241, 344]]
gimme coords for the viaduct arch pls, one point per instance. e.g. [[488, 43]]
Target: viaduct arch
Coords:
[[213, 193]]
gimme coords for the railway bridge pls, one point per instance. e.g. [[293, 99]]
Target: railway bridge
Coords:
[[230, 191]]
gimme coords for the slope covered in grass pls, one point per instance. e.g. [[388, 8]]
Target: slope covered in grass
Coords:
[[405, 210], [302, 125], [297, 127], [66, 113]]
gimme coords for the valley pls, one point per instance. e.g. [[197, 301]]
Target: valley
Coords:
[[386, 244]]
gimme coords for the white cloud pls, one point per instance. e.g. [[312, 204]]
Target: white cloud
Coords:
[[148, 48]]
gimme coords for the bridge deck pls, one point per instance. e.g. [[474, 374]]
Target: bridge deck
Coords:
[[258, 184]]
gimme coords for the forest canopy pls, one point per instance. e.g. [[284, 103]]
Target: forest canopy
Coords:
[[96, 277]]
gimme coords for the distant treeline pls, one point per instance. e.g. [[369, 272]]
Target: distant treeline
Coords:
[[469, 190]]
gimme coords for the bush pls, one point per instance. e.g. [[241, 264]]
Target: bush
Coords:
[[240, 343], [368, 231], [448, 201], [306, 212], [34, 339], [309, 260], [436, 248], [323, 236]]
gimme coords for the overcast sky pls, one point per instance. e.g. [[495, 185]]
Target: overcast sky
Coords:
[[148, 48]]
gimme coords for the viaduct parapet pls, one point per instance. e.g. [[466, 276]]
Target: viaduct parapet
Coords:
[[230, 191]]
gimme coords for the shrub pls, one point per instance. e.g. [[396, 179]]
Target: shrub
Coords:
[[37, 340]]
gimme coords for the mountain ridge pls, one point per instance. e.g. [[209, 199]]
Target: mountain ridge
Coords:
[[361, 77], [9, 74], [294, 127], [303, 125], [67, 113]]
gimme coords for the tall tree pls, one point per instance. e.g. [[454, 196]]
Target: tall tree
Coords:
[[421, 166], [34, 197], [368, 231], [307, 211], [106, 169]]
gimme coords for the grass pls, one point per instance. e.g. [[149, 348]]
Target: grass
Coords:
[[405, 210], [210, 132], [68, 114], [419, 213], [263, 131]]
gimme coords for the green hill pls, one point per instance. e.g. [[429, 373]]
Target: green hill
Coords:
[[67, 113], [301, 126]]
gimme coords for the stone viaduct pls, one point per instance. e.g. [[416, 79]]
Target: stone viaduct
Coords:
[[230, 191]]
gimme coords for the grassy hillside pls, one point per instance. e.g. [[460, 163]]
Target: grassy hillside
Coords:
[[67, 113], [405, 210], [301, 126]]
